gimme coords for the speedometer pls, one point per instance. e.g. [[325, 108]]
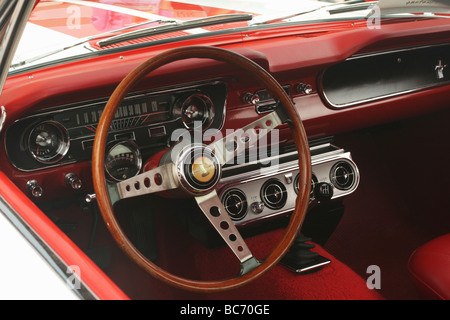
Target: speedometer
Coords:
[[123, 161], [48, 142]]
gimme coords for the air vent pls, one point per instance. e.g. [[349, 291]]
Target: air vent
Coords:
[[342, 175], [235, 202], [274, 194]]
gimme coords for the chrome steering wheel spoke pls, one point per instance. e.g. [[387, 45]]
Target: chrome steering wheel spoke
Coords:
[[156, 180], [214, 211], [230, 146]]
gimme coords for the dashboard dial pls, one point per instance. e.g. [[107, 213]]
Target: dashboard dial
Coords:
[[235, 203], [196, 108], [123, 161], [48, 142]]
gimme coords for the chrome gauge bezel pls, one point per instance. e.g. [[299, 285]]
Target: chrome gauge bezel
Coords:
[[63, 142], [208, 114], [350, 171], [133, 148], [245, 204], [278, 204]]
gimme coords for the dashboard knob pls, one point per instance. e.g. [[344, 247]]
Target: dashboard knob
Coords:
[[257, 207], [34, 188], [304, 88], [323, 191], [251, 98], [72, 181], [91, 197]]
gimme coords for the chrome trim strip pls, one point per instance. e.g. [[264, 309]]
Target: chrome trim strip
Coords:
[[395, 94], [2, 117], [377, 53], [352, 104], [314, 266], [55, 261]]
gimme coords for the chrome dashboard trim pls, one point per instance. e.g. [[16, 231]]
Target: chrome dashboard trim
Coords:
[[2, 117], [392, 95], [377, 53], [319, 161]]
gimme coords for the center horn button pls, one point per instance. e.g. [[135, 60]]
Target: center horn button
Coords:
[[198, 169]]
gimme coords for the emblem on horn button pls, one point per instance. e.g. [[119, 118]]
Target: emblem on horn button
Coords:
[[198, 169], [203, 169]]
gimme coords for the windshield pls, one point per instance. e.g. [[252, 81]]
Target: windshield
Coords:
[[65, 29]]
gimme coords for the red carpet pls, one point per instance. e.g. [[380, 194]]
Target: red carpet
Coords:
[[187, 257], [183, 255], [334, 282]]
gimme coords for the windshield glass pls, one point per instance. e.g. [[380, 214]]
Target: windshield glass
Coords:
[[64, 29]]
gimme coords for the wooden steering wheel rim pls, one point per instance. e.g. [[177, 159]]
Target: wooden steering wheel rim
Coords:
[[300, 139]]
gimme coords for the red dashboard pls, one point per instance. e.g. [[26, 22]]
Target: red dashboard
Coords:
[[293, 57]]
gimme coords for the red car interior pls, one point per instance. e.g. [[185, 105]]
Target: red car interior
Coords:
[[429, 265], [398, 143]]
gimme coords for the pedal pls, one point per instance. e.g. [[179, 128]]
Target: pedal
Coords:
[[300, 259]]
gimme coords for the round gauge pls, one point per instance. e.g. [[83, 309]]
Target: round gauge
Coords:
[[48, 142], [235, 202], [123, 161], [314, 181], [196, 109], [274, 194]]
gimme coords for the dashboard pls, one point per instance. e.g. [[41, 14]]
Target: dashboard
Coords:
[[388, 76], [145, 123]]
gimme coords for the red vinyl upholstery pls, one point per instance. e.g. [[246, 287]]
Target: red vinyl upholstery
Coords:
[[429, 267]]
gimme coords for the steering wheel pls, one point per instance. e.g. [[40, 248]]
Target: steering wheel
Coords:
[[180, 171]]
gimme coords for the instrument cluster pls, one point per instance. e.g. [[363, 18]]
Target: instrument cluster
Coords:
[[142, 124]]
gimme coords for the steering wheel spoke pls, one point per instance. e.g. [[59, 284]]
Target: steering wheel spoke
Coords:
[[214, 211], [155, 180], [230, 146]]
